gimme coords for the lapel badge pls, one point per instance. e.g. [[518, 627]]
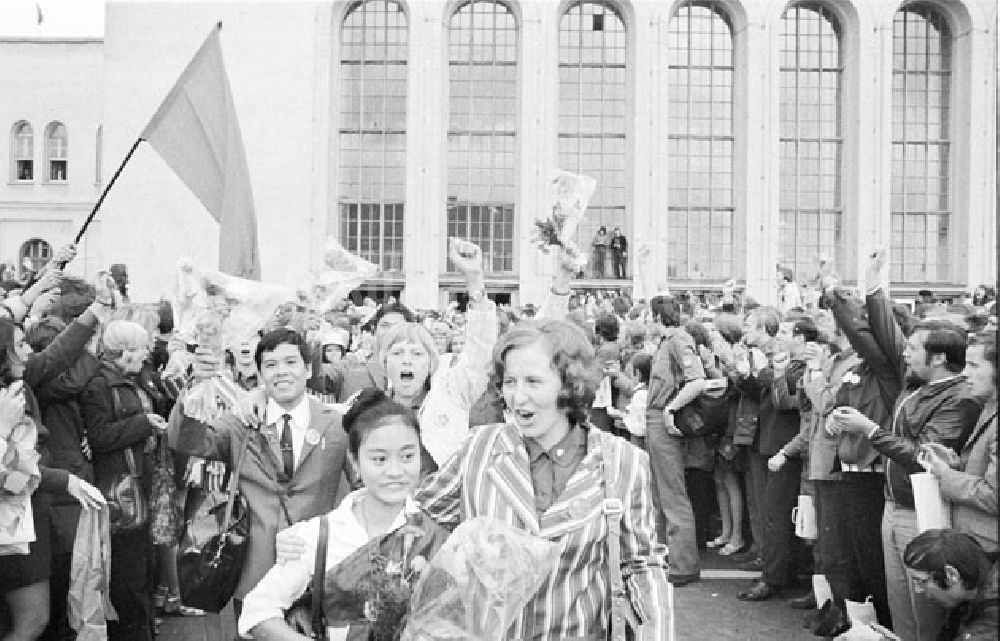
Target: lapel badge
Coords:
[[577, 508], [312, 436]]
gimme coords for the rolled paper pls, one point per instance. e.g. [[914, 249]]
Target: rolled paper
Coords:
[[933, 512]]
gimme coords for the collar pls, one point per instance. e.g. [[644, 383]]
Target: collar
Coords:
[[300, 413], [941, 381], [563, 452]]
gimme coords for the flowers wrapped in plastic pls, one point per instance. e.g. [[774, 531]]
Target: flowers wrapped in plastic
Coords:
[[570, 194], [478, 583], [370, 590], [216, 311], [342, 272], [19, 474]]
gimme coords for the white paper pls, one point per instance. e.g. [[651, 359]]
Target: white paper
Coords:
[[933, 512]]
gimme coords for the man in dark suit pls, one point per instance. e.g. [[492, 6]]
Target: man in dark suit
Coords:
[[296, 448]]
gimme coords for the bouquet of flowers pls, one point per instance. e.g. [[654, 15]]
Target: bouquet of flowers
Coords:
[[570, 194], [342, 272], [19, 474], [215, 310], [478, 583], [372, 587]]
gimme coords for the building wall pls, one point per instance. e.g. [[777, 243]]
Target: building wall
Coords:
[[283, 65], [42, 82]]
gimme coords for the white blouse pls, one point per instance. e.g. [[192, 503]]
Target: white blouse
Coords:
[[283, 584]]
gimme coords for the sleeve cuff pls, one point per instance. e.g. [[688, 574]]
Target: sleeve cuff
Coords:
[[872, 431]]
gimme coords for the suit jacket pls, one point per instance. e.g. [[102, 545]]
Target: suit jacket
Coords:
[[274, 503], [490, 476], [973, 488]]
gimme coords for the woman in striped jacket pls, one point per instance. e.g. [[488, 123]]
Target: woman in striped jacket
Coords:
[[551, 474]]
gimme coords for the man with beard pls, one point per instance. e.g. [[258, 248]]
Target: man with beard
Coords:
[[935, 407]]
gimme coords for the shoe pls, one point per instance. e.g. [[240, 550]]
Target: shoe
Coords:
[[805, 602], [731, 549], [832, 624], [680, 580], [756, 565], [759, 591], [747, 555], [173, 605], [717, 542]]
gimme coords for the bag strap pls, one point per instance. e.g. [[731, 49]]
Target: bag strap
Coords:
[[621, 609], [319, 575], [234, 481]]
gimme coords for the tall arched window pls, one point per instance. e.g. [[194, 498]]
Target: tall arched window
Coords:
[[34, 254], [482, 129], [592, 107], [700, 130], [56, 151], [921, 88], [372, 156], [22, 151], [811, 139]]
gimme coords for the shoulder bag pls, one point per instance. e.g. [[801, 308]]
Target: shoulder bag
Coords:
[[213, 545], [625, 625], [306, 615], [128, 505]]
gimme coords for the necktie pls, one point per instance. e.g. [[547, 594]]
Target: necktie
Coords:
[[287, 453]]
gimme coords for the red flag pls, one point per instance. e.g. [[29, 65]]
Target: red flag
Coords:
[[197, 133]]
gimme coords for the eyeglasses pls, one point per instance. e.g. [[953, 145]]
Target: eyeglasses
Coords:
[[921, 581]]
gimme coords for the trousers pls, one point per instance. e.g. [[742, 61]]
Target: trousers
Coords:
[[914, 616], [666, 460]]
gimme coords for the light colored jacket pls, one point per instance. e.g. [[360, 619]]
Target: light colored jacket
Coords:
[[972, 489], [444, 414], [490, 476], [273, 504]]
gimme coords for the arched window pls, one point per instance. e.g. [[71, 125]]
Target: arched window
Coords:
[[372, 154], [811, 139], [921, 88], [22, 151], [482, 126], [56, 151], [700, 129], [592, 107], [34, 254]]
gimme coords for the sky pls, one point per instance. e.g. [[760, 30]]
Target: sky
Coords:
[[60, 18]]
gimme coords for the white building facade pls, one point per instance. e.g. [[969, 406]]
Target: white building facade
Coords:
[[726, 136]]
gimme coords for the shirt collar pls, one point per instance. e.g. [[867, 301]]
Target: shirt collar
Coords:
[[300, 413], [563, 452]]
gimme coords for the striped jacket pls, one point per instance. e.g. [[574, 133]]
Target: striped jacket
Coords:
[[490, 476]]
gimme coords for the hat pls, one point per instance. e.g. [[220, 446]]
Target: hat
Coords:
[[336, 336]]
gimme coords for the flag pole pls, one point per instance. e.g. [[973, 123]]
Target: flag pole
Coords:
[[107, 188]]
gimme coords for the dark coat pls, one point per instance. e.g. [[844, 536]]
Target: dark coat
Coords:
[[112, 427], [775, 426], [59, 399]]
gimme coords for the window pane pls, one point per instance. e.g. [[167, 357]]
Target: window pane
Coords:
[[372, 160], [592, 107], [23, 151], [482, 74], [56, 145], [920, 244], [810, 199], [700, 129]]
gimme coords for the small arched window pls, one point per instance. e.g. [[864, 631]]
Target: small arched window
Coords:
[[22, 149], [56, 151], [34, 254]]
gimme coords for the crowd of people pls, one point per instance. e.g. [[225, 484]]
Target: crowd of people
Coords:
[[638, 434]]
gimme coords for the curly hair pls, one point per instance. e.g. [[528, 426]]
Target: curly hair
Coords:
[[573, 358]]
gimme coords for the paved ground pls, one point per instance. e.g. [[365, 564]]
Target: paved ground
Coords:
[[706, 611]]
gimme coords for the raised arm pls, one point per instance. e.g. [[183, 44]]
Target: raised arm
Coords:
[[556, 303]]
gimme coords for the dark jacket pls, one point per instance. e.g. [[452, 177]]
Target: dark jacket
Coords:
[[41, 368], [112, 426], [939, 412], [775, 426], [58, 399]]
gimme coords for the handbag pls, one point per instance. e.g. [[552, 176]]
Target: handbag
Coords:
[[166, 517], [306, 615], [128, 507], [213, 545]]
